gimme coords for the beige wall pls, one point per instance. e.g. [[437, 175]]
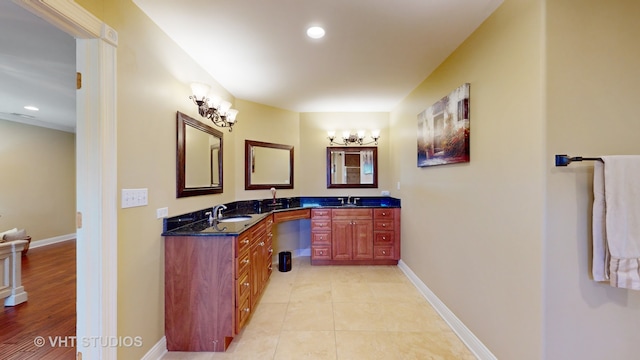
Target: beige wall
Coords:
[[592, 96], [37, 186], [153, 84], [268, 124], [472, 232], [314, 142]]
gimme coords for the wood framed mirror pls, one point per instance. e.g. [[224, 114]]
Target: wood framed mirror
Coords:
[[198, 158], [352, 167], [267, 165]]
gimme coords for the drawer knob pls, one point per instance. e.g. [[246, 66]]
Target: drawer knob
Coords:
[[261, 243], [245, 261], [384, 252], [384, 225], [246, 310], [384, 214], [384, 238], [245, 241], [246, 284], [270, 251]]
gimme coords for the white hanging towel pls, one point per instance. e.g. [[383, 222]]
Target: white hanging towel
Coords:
[[616, 221]]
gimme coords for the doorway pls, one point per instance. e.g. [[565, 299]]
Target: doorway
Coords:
[[96, 169]]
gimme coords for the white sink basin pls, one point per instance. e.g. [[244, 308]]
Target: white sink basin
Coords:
[[235, 219]]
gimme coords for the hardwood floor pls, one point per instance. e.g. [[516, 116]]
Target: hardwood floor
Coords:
[[49, 277]]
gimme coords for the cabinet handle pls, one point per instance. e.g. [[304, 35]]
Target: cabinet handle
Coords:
[[245, 241], [384, 214], [246, 284], [384, 225], [384, 252], [245, 261], [321, 252], [270, 266], [270, 251], [384, 238], [261, 243], [246, 310]]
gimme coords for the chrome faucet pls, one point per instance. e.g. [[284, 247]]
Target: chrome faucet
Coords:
[[217, 211], [349, 199]]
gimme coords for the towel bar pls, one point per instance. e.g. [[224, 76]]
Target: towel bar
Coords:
[[564, 160]]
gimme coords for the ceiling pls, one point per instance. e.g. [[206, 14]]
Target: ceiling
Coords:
[[374, 54], [37, 67]]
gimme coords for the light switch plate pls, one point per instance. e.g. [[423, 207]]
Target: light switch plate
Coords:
[[134, 197]]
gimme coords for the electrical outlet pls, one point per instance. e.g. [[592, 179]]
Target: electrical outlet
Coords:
[[162, 212]]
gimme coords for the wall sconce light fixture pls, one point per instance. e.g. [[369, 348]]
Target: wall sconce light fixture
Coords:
[[213, 107], [349, 138]]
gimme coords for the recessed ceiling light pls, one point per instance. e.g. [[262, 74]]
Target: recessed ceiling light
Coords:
[[31, 107], [315, 32]]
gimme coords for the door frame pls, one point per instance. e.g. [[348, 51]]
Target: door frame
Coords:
[[96, 173]]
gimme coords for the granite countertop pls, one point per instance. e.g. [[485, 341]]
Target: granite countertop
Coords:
[[197, 223]]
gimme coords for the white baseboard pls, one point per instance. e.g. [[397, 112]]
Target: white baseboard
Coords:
[[473, 343], [18, 296], [50, 241], [157, 351]]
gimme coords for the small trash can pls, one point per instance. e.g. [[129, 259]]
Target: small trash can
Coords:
[[284, 261]]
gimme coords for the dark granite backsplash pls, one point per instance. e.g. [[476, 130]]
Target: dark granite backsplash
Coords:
[[198, 220]]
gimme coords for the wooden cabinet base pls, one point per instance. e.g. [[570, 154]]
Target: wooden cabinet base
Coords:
[[354, 262]]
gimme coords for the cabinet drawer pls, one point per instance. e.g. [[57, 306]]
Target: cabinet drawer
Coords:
[[258, 231], [291, 215], [383, 252], [320, 225], [383, 238], [321, 252], [320, 213], [383, 214], [242, 244], [383, 225], [351, 214], [242, 314], [242, 264], [320, 238], [243, 287]]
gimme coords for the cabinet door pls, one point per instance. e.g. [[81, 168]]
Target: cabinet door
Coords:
[[256, 275], [362, 232], [341, 243]]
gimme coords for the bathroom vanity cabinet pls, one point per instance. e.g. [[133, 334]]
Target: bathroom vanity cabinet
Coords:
[[366, 236], [216, 273], [212, 284]]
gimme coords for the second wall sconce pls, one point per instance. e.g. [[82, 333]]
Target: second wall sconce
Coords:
[[213, 107], [349, 138]]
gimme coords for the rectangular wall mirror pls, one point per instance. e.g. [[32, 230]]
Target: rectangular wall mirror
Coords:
[[267, 165], [198, 158], [352, 167]]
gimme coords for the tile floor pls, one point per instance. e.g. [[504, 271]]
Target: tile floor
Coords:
[[341, 313]]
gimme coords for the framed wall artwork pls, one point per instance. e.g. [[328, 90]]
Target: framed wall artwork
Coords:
[[443, 130]]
